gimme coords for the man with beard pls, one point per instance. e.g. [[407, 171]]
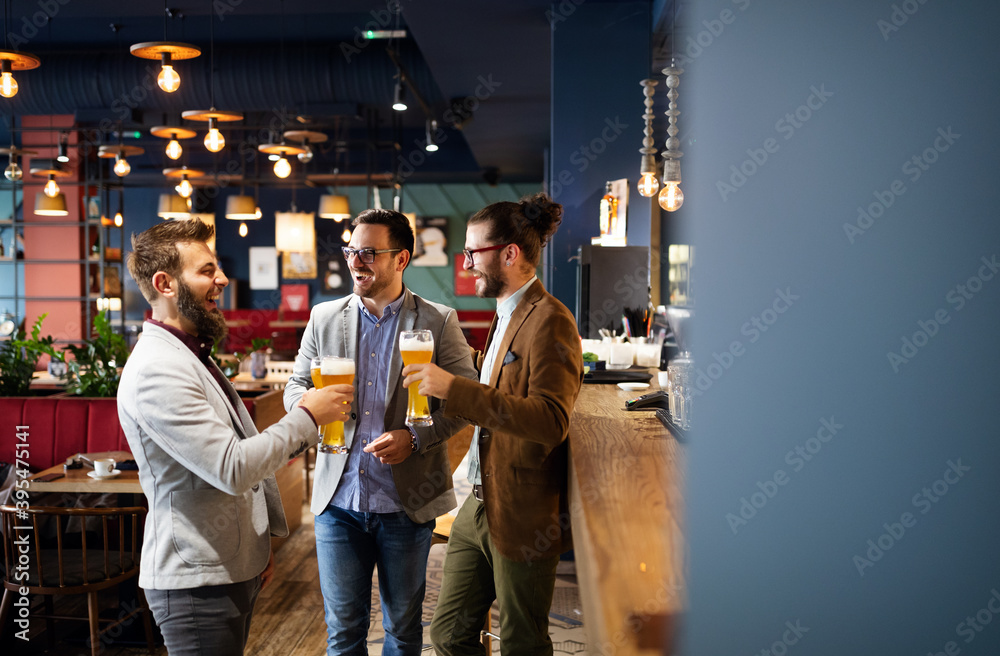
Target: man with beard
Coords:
[[505, 542], [375, 506], [205, 470]]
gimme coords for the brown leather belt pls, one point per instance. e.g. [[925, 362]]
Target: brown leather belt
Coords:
[[477, 491]]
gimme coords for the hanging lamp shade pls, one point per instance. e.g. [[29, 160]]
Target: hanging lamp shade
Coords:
[[334, 207], [172, 206], [241, 208], [295, 232], [50, 205]]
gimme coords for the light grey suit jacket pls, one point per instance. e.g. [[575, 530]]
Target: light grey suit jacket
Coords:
[[205, 470], [423, 480]]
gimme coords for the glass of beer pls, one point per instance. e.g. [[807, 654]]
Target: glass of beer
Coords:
[[417, 347], [330, 370]]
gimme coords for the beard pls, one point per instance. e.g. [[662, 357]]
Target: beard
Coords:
[[375, 287], [492, 281], [210, 323]]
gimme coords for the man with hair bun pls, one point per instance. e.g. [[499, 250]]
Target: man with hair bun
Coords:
[[505, 542]]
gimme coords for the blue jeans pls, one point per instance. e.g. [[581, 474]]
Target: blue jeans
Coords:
[[348, 547]]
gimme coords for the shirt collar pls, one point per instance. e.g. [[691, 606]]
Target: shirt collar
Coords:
[[391, 308], [199, 346], [506, 308]]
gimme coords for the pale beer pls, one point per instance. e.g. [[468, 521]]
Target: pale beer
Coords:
[[326, 371], [417, 347]]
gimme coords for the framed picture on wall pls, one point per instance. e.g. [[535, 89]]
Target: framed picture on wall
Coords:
[[334, 276], [465, 282], [431, 248], [298, 266]]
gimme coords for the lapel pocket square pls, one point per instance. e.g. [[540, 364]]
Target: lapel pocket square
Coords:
[[510, 357]]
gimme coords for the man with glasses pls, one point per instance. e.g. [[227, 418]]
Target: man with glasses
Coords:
[[375, 506], [505, 542]]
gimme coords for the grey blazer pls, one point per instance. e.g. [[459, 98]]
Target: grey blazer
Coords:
[[423, 480], [205, 470]]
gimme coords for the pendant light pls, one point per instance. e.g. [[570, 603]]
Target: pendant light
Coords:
[[214, 141], [13, 172], [120, 154], [282, 168], [671, 197], [167, 52], [183, 177], [12, 60], [648, 183], [174, 150]]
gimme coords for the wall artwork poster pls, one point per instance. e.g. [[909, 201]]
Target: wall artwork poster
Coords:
[[431, 248]]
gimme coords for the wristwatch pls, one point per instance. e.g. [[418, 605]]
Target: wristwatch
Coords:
[[413, 439]]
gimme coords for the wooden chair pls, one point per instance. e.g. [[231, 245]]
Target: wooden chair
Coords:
[[62, 570], [458, 446]]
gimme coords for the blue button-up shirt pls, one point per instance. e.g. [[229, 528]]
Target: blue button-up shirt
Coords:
[[366, 484]]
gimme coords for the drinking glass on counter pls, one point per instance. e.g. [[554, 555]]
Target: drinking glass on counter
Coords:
[[331, 370], [417, 347]]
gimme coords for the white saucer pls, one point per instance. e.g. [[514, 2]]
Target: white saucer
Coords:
[[94, 475], [631, 387]]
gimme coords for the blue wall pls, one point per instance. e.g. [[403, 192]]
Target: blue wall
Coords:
[[881, 537], [600, 52]]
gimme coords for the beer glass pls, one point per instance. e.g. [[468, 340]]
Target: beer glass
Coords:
[[416, 347], [330, 370]]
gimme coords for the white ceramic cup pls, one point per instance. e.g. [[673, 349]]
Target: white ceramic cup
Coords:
[[104, 467]]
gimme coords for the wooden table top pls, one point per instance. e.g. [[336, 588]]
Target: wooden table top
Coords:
[[77, 480], [626, 477]]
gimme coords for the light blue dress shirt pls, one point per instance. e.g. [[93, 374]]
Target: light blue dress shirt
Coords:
[[504, 312], [366, 484]]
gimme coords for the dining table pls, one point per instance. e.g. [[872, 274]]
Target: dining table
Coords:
[[81, 481]]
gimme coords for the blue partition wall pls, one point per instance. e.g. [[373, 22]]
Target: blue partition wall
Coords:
[[843, 489]]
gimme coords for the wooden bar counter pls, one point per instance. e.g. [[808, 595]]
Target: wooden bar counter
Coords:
[[626, 483]]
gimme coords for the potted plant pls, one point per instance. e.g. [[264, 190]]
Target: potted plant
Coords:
[[19, 356], [96, 367]]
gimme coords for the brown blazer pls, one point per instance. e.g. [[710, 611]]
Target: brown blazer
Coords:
[[524, 414]]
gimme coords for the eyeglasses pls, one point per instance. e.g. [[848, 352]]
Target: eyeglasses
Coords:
[[366, 255], [469, 252]]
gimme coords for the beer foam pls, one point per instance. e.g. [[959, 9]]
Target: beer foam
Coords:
[[338, 367], [414, 345]]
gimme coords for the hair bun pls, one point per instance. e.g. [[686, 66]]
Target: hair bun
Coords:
[[543, 214]]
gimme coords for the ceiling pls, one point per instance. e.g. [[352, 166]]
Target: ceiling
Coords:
[[484, 76]]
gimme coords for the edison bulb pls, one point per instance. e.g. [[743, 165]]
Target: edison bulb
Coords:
[[184, 188], [346, 235], [13, 172], [243, 229], [8, 85], [119, 220], [671, 197], [51, 188], [648, 185], [282, 168], [258, 213], [168, 79], [122, 167], [174, 149], [214, 140], [307, 156]]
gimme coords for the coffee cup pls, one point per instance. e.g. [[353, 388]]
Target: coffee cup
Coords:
[[104, 467]]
